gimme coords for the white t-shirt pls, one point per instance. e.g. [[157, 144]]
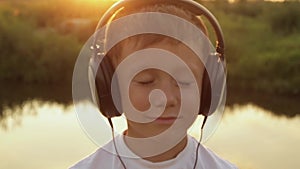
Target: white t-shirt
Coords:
[[104, 159]]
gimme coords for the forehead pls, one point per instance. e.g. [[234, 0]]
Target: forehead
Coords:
[[178, 49]]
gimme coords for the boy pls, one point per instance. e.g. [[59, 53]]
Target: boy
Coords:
[[160, 83]]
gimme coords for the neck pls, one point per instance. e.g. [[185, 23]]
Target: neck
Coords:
[[168, 155]]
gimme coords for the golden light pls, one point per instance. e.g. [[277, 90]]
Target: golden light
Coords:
[[99, 1]]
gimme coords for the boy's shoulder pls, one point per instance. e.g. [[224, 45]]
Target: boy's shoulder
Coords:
[[93, 160], [209, 159], [101, 158]]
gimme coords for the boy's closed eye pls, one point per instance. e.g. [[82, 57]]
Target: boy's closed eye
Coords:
[[144, 78], [144, 82]]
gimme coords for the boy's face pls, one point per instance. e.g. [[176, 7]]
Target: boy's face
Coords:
[[148, 80]]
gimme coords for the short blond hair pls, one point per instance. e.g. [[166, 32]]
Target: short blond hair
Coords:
[[144, 40]]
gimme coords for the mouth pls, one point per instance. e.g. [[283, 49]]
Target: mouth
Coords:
[[165, 120]]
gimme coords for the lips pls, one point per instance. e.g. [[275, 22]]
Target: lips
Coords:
[[165, 120]]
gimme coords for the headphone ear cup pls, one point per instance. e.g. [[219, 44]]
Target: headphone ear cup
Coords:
[[92, 84], [103, 87], [210, 100], [205, 95]]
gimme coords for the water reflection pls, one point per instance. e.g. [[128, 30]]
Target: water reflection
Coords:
[[13, 116], [254, 138], [277, 104], [15, 96], [48, 136]]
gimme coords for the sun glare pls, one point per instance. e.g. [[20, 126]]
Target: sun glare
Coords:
[[99, 1]]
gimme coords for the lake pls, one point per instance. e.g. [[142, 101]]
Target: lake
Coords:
[[45, 133]]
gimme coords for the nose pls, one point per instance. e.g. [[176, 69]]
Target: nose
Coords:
[[171, 92]]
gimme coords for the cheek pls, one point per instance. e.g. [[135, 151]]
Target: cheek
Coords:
[[139, 98]]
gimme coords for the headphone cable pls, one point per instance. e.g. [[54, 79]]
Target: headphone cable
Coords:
[[198, 145], [114, 142]]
